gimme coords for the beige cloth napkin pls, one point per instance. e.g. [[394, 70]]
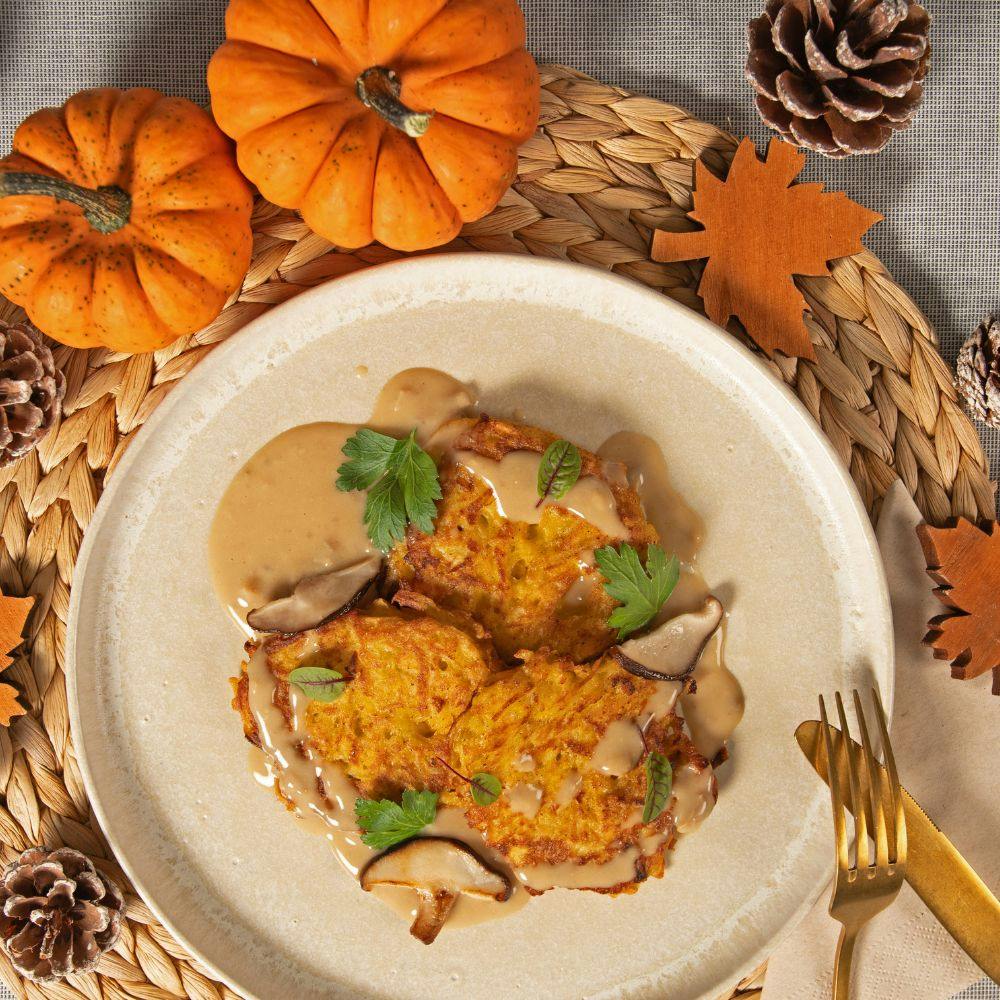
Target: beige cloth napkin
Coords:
[[944, 736]]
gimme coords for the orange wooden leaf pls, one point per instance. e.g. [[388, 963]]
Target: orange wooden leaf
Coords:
[[9, 706], [13, 615], [759, 230], [965, 560]]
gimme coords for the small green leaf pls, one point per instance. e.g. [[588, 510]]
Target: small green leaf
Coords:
[[640, 591], [659, 783], [385, 823], [401, 480], [418, 477], [318, 683], [385, 513], [558, 470], [486, 788], [368, 454]]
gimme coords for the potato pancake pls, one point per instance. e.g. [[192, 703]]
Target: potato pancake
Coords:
[[530, 585], [545, 730], [411, 673]]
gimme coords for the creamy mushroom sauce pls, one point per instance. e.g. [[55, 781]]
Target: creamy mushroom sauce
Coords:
[[281, 520]]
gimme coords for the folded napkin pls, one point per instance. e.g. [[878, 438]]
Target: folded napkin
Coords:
[[944, 741]]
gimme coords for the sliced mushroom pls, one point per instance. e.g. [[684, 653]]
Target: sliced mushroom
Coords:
[[671, 652], [440, 869], [317, 599]]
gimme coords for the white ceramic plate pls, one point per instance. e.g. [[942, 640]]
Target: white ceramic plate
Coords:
[[789, 550]]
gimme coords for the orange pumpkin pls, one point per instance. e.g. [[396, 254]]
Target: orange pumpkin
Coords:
[[392, 120], [123, 220]]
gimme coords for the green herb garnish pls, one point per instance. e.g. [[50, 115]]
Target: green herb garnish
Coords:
[[659, 783], [386, 823], [486, 787], [401, 480], [640, 591], [318, 683], [558, 470]]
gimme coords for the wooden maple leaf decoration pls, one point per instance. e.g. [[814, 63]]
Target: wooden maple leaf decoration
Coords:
[[966, 562], [13, 615], [760, 229]]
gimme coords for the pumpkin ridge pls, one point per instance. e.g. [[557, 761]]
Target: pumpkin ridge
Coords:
[[387, 58], [24, 142], [163, 333], [155, 251], [476, 78], [330, 150], [51, 268], [140, 205], [239, 52], [84, 116], [18, 291]]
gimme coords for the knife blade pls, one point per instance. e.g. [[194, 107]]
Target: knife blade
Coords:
[[939, 875]]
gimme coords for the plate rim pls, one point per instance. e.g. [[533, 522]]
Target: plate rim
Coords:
[[739, 354]]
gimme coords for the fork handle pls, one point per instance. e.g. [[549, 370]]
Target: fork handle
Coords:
[[842, 967]]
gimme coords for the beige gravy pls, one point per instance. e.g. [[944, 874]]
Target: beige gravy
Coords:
[[514, 482], [282, 519], [421, 398]]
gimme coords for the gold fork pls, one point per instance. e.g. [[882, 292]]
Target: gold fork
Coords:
[[867, 887]]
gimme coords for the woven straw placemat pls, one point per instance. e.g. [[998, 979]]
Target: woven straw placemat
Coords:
[[604, 169]]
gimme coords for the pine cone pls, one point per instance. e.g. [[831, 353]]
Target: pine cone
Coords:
[[979, 372], [31, 390], [838, 76], [60, 914]]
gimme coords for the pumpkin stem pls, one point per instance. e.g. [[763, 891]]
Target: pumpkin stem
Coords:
[[378, 88], [107, 209]]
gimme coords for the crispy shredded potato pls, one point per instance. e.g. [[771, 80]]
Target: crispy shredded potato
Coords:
[[511, 577]]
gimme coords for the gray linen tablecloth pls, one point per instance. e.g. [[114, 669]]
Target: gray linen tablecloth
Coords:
[[938, 184]]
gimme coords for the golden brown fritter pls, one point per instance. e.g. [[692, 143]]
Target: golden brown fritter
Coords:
[[412, 675], [511, 577], [539, 726]]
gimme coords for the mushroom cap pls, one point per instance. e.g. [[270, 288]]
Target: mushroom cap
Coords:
[[319, 598], [435, 863], [440, 870], [671, 651]]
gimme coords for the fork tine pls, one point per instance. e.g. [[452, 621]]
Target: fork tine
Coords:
[[833, 771], [874, 789], [897, 795], [857, 802]]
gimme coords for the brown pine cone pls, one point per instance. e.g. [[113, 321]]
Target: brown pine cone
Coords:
[[60, 914], [839, 76], [978, 369], [31, 390]]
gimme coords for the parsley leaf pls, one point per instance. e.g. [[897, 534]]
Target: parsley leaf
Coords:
[[558, 470], [401, 480], [640, 591], [386, 823], [368, 453], [659, 784]]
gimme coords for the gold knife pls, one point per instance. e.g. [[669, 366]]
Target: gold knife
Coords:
[[939, 875]]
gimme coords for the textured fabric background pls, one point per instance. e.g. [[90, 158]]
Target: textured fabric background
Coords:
[[938, 184]]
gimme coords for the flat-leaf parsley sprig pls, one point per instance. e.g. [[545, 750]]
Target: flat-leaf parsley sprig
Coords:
[[641, 591], [386, 823], [401, 480]]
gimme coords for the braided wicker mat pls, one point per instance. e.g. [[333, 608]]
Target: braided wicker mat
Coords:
[[605, 168]]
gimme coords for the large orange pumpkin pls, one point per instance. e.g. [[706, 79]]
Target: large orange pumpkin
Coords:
[[392, 120], [123, 220]]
